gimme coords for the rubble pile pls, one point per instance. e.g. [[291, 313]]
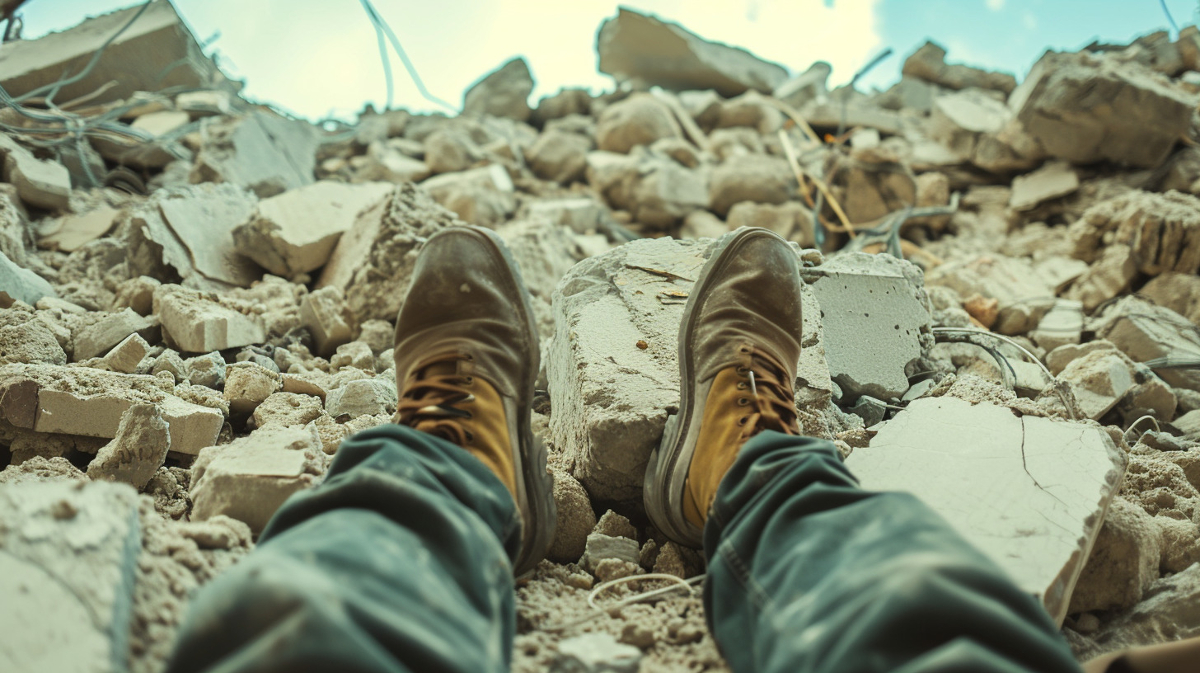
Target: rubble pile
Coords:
[[198, 294]]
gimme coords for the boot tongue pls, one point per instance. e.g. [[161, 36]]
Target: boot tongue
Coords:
[[445, 368]]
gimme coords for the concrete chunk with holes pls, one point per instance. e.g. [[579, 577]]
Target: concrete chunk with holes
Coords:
[[1029, 492]]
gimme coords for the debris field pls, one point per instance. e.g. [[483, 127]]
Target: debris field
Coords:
[[198, 294]]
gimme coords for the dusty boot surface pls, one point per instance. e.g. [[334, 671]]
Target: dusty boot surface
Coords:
[[466, 360], [739, 343]]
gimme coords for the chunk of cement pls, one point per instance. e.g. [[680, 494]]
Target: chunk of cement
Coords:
[[71, 232], [364, 397], [1146, 332], [1098, 380], [1123, 563], [929, 64], [198, 322], [127, 355], [97, 338], [249, 478], [20, 284], [1062, 324], [138, 450], [504, 92], [40, 183], [1023, 295], [1086, 108], [296, 232], [203, 217], [91, 402], [263, 152], [328, 319], [611, 396], [1051, 181], [876, 319], [134, 60], [482, 196], [1029, 492], [68, 559], [645, 51], [373, 261], [595, 653], [248, 384], [600, 547]]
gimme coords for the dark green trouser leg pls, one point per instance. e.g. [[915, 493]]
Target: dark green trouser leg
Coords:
[[809, 573], [400, 561]]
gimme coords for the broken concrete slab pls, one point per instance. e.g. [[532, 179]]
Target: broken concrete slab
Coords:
[[559, 156], [1179, 292], [1054, 179], [30, 342], [876, 319], [929, 63], [132, 62], [1162, 231], [96, 339], [68, 560], [1023, 296], [249, 478], [1062, 324], [138, 450], [40, 183], [90, 402], [613, 366], [373, 261], [1098, 381], [595, 653], [296, 232], [1123, 563], [1085, 108], [328, 319], [645, 52], [126, 356], [364, 397], [1109, 276], [71, 232], [1146, 332], [199, 322], [20, 284], [247, 385], [504, 92], [1029, 492], [262, 152], [203, 217]]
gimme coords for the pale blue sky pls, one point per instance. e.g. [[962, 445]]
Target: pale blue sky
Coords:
[[319, 57]]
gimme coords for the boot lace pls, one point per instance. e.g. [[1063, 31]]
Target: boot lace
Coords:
[[427, 403], [771, 400]]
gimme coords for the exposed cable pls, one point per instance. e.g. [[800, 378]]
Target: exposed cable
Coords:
[[382, 25], [1170, 19]]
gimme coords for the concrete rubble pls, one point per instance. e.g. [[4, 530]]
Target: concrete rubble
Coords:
[[199, 303]]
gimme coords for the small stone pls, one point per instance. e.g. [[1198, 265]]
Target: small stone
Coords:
[[1098, 380], [287, 410], [170, 362], [364, 397], [378, 334], [30, 342], [138, 450], [206, 370], [600, 547], [127, 355], [870, 409], [247, 385], [612, 569], [575, 518], [354, 354], [670, 561], [615, 525], [327, 318], [595, 653], [98, 338], [249, 478]]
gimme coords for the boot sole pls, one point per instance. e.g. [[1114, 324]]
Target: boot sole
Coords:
[[666, 474], [534, 482]]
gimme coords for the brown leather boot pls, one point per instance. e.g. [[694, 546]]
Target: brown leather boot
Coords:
[[739, 343], [466, 360]]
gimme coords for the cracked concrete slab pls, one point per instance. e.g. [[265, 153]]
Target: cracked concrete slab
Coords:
[[1029, 492]]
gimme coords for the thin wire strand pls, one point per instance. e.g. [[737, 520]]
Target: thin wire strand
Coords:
[[412, 71]]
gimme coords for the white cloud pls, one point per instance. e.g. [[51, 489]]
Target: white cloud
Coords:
[[1029, 20], [995, 5], [314, 57]]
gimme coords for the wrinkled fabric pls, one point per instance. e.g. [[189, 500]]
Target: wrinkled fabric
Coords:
[[808, 573], [399, 561]]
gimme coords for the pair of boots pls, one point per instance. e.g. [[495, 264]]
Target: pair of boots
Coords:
[[467, 356]]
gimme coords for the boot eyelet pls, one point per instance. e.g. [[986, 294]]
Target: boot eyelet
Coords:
[[470, 436], [742, 401], [744, 349], [743, 419], [469, 380], [742, 385], [743, 370]]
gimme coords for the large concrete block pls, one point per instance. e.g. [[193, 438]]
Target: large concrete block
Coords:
[[1029, 492], [613, 365], [876, 318], [68, 557]]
